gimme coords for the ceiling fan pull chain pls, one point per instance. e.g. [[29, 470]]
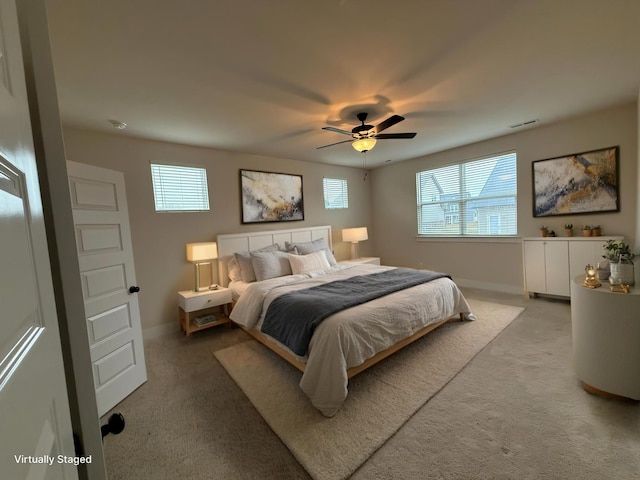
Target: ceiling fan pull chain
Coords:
[[364, 167]]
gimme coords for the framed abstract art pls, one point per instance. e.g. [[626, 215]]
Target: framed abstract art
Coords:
[[584, 182], [271, 197]]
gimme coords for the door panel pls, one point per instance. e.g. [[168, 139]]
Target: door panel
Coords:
[[534, 268], [557, 268], [109, 323], [105, 256], [35, 418]]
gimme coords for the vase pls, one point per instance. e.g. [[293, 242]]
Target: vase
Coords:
[[622, 272], [603, 270]]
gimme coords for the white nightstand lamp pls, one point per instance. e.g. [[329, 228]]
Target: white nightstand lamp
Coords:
[[199, 254], [354, 235]]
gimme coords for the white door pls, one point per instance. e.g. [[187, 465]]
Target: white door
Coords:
[[105, 254], [34, 419]]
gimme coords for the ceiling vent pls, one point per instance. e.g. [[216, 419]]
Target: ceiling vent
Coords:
[[524, 124]]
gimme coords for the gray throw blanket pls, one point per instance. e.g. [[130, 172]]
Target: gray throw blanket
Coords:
[[292, 318]]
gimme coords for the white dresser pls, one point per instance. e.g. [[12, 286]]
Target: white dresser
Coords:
[[551, 262]]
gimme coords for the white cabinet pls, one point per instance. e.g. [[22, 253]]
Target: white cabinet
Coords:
[[551, 262], [546, 267]]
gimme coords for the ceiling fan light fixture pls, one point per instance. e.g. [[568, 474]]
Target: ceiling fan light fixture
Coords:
[[364, 144]]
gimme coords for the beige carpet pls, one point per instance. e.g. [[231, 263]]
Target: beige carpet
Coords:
[[380, 400]]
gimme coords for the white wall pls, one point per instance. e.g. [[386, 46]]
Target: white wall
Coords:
[[385, 203], [637, 242], [498, 264], [159, 238]]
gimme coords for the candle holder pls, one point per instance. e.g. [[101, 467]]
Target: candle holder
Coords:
[[591, 280]]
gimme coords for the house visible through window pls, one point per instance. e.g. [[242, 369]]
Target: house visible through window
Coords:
[[336, 193], [179, 189], [476, 198]]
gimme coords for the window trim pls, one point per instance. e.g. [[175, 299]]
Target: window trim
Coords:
[[203, 188], [461, 210], [345, 193]]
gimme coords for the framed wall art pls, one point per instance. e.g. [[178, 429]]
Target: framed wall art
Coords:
[[271, 197], [584, 182]]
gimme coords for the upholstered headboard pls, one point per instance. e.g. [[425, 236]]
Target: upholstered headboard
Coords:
[[230, 243]]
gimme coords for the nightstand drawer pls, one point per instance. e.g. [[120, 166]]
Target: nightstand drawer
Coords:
[[198, 301]]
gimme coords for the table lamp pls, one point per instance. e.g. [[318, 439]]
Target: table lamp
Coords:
[[354, 235], [201, 254]]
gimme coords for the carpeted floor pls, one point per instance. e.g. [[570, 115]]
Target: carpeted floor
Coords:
[[516, 411], [380, 400]]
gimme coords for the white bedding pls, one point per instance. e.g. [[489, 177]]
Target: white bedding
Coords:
[[348, 338], [237, 288]]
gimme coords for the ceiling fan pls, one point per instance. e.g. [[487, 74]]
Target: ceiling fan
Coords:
[[364, 137]]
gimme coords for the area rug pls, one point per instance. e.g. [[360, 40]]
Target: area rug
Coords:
[[380, 400]]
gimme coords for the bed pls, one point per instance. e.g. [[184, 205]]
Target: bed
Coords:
[[346, 342]]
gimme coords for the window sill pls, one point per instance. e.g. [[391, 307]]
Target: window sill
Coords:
[[478, 239]]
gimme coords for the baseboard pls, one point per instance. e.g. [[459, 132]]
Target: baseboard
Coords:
[[496, 287]]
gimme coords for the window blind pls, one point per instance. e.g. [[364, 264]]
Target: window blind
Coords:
[[336, 193], [179, 189], [475, 198]]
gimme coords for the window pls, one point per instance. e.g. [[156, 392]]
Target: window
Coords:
[[476, 198], [336, 193], [179, 189]]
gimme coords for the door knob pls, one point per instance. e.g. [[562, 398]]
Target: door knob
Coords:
[[114, 425], [134, 289]]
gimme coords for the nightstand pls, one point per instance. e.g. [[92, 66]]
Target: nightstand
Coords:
[[369, 260], [197, 304]]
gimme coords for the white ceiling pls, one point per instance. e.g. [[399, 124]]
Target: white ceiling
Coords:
[[264, 76]]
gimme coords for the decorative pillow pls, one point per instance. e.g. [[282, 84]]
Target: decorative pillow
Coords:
[[234, 270], [312, 262], [311, 247], [244, 262], [270, 264]]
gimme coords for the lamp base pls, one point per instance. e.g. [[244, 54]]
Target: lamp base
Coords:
[[355, 251], [197, 287]]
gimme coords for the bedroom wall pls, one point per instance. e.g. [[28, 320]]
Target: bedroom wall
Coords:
[[159, 238], [637, 241], [497, 264]]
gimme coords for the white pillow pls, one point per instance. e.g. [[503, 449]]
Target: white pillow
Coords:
[[234, 270], [310, 247], [244, 262], [312, 262], [270, 264]]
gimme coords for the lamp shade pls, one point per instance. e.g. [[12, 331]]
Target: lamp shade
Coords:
[[198, 252], [354, 234], [364, 144]]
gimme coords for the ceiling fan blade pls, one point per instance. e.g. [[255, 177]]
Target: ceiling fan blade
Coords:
[[382, 136], [332, 144], [389, 122], [337, 130]]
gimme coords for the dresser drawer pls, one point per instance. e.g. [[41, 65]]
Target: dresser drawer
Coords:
[[199, 301]]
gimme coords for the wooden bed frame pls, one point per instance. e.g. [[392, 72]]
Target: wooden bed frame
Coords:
[[353, 371], [240, 242]]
